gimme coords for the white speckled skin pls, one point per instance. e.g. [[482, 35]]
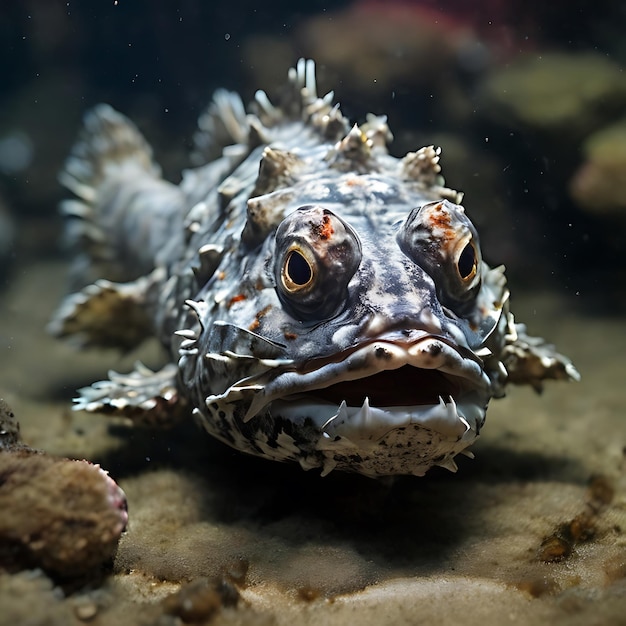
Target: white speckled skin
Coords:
[[322, 301]]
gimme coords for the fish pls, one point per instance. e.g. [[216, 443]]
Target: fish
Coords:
[[318, 300]]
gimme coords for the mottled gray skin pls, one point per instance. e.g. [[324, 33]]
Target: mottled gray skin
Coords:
[[321, 301]]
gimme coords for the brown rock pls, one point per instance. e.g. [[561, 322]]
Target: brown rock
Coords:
[[61, 515]]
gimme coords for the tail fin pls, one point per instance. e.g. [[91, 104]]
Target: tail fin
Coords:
[[123, 211]]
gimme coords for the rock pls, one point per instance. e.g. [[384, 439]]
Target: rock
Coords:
[[200, 600], [599, 184], [556, 93], [61, 515], [30, 597]]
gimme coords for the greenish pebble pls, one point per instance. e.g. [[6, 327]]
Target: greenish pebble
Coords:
[[599, 184], [557, 92]]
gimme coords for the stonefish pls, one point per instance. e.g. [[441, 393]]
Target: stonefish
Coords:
[[320, 300]]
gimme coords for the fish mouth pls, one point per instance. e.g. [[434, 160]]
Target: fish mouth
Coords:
[[380, 385], [395, 404], [405, 386]]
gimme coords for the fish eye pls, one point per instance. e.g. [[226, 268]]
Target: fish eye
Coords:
[[316, 254], [297, 272], [467, 263], [439, 237]]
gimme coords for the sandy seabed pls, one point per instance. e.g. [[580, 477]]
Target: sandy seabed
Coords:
[[532, 531]]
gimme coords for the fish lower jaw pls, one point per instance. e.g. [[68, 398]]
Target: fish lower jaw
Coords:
[[384, 441], [450, 419]]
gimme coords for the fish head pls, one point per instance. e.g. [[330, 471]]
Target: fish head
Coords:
[[361, 344], [369, 351]]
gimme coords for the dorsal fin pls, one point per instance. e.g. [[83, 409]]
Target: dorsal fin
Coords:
[[294, 99], [223, 123], [299, 101]]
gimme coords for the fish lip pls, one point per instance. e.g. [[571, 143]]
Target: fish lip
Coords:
[[424, 352]]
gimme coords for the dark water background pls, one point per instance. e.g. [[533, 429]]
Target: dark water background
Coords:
[[159, 61]]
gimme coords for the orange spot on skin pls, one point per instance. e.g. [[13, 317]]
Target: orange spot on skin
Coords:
[[257, 320], [290, 336], [238, 298], [440, 219], [326, 229]]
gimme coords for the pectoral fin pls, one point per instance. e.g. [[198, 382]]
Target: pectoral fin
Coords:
[[107, 314], [531, 360], [147, 397]]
